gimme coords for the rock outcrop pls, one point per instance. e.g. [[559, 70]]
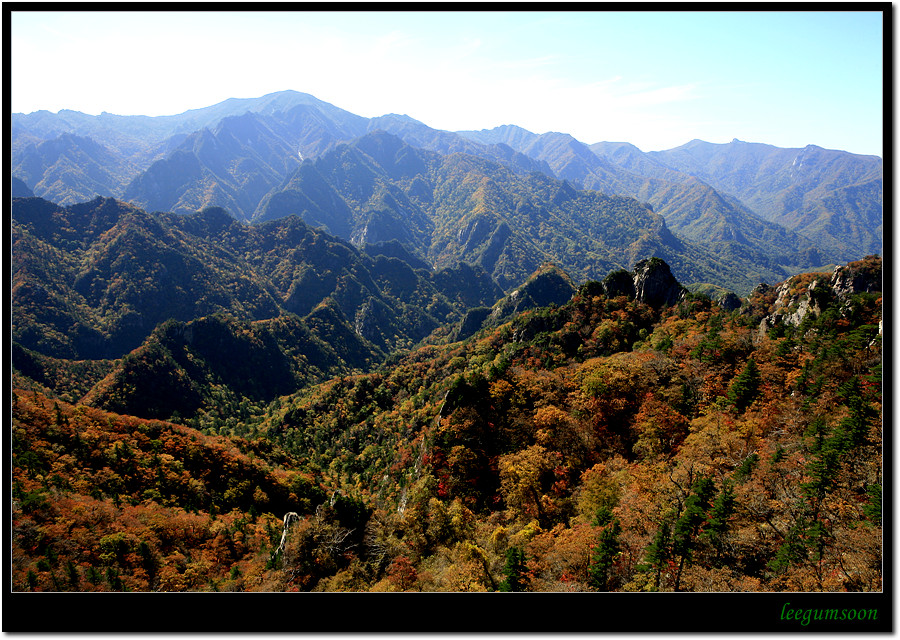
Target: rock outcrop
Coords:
[[807, 293], [863, 276], [729, 302], [655, 285], [619, 283]]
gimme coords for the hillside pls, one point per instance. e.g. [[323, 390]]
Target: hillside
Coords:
[[71, 169], [590, 426], [228, 155], [831, 197], [714, 218], [461, 207], [780, 211], [633, 438], [235, 163], [93, 280], [140, 505], [272, 346], [140, 138]]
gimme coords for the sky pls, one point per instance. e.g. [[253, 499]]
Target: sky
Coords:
[[654, 79]]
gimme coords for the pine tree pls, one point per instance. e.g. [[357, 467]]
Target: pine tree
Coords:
[[817, 536], [745, 386], [717, 525], [872, 510], [688, 525], [604, 554], [823, 470], [659, 553], [792, 551], [743, 472], [72, 572], [853, 430], [513, 570]]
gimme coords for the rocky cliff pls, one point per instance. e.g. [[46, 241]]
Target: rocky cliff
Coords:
[[813, 293]]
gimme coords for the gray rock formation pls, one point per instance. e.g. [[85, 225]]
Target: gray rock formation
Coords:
[[655, 285], [793, 306]]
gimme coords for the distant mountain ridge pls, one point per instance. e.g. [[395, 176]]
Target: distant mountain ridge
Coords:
[[834, 198], [780, 210], [742, 193], [63, 169], [460, 207], [93, 280], [290, 124], [132, 135]]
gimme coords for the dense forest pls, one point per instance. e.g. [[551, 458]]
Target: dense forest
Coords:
[[731, 214], [613, 442], [270, 346]]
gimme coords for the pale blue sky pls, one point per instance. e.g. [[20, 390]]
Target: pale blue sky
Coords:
[[655, 79]]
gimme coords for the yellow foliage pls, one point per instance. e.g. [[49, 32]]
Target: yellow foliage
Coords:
[[524, 535], [501, 390], [499, 537], [601, 486]]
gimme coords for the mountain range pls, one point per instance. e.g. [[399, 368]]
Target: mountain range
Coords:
[[728, 215], [273, 346]]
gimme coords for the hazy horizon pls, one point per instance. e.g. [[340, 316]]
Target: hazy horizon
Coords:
[[653, 79]]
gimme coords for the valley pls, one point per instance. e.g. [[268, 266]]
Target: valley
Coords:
[[467, 361]]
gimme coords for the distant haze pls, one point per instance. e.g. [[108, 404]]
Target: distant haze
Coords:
[[654, 79]]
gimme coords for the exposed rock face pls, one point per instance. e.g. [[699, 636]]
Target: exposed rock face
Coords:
[[793, 305], [474, 233], [369, 321], [471, 323], [655, 285], [856, 277], [761, 289], [792, 309]]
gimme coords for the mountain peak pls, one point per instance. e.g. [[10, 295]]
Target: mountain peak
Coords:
[[401, 116], [508, 134], [548, 285]]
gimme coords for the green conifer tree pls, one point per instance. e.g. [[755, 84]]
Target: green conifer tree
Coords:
[[745, 386], [688, 525], [853, 430], [604, 554], [792, 551], [514, 570], [659, 553], [717, 525], [872, 510]]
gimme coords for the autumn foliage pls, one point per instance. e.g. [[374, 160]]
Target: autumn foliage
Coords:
[[599, 445]]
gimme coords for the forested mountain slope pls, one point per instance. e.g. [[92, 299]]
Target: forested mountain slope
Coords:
[[831, 197], [634, 438], [783, 210], [447, 208], [227, 155], [67, 168], [706, 211], [321, 352], [93, 280], [138, 138]]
